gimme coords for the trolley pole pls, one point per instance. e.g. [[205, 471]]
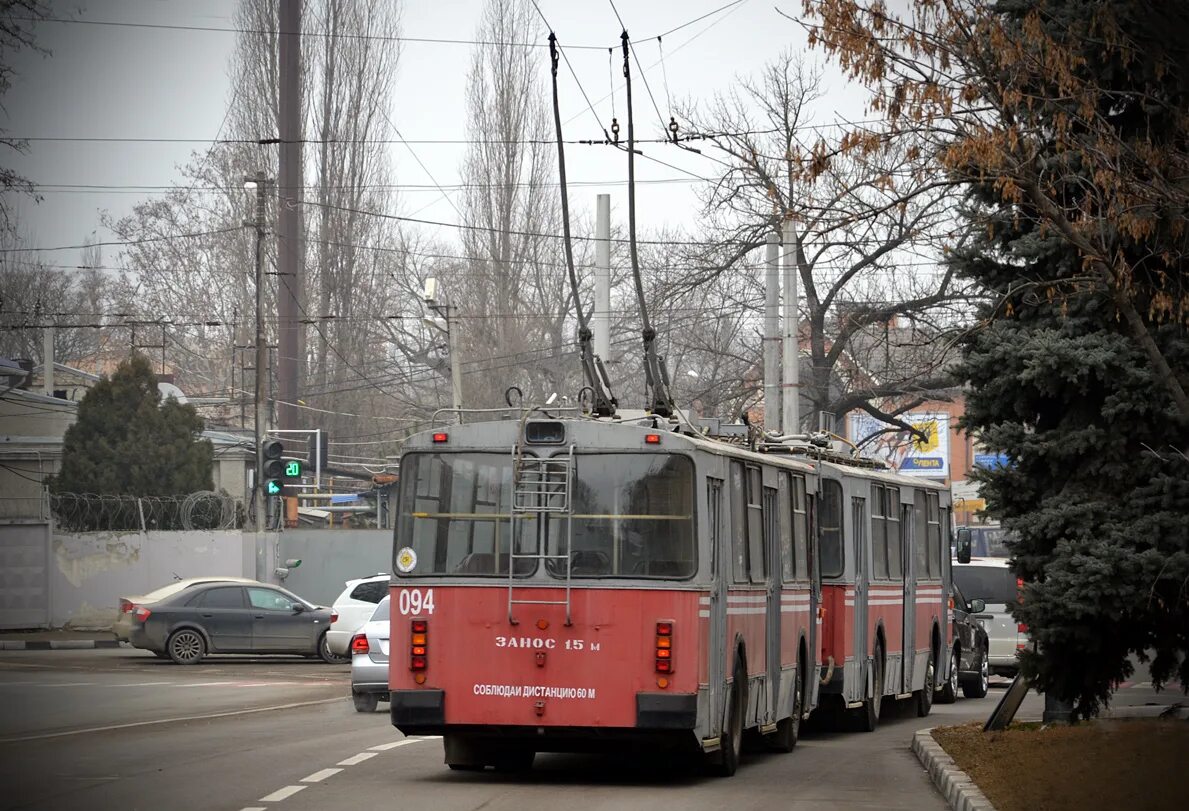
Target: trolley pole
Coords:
[[772, 407]]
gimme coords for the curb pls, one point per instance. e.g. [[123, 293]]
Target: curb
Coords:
[[61, 644], [954, 784]]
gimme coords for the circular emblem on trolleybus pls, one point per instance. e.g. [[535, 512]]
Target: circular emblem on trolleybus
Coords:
[[406, 560]]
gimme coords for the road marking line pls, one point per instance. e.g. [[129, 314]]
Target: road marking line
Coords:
[[282, 794], [145, 684], [355, 760], [384, 747], [318, 777], [254, 808], [112, 727]]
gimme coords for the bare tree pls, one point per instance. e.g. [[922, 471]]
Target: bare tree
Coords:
[[867, 233], [17, 21]]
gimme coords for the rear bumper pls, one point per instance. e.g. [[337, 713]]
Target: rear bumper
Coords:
[[141, 636], [338, 641], [665, 719]]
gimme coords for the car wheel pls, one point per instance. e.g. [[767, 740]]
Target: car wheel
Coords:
[[328, 656], [977, 688], [365, 702], [949, 693], [186, 647]]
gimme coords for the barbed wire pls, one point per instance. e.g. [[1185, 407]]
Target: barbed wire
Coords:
[[92, 512]]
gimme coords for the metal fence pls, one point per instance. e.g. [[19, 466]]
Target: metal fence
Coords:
[[90, 512]]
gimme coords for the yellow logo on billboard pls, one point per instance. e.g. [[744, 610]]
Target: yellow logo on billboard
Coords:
[[929, 429]]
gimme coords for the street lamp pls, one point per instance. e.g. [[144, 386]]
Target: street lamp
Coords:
[[430, 296]]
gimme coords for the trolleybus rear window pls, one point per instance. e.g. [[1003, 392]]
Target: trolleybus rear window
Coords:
[[633, 517], [455, 516]]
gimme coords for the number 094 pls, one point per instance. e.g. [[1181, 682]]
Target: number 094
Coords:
[[413, 601]]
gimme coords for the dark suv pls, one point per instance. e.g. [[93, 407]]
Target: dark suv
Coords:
[[969, 666]]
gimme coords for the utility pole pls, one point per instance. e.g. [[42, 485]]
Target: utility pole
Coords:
[[791, 355], [772, 408], [602, 279], [47, 360], [290, 290], [259, 503], [430, 297]]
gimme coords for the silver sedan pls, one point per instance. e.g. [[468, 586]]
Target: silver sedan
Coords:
[[369, 661]]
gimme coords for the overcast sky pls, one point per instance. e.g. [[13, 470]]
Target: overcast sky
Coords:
[[105, 81]]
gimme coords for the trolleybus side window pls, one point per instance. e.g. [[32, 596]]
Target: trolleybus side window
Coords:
[[879, 533], [633, 516], [739, 556], [455, 515], [785, 502], [714, 520], [755, 526], [772, 534], [907, 537], [800, 528], [892, 517], [830, 519], [920, 510], [933, 533]]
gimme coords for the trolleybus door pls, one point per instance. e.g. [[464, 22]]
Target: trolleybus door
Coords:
[[908, 560], [772, 549], [862, 584], [716, 609]]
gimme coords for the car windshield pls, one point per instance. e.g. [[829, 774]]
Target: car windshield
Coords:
[[381, 612], [991, 584]]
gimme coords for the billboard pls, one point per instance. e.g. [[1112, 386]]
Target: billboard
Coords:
[[905, 452]]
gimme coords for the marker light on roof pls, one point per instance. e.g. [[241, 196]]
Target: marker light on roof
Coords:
[[441, 437]]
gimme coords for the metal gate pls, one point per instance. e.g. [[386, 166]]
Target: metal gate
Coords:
[[24, 575]]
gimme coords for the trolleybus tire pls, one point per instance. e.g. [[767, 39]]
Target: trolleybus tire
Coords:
[[948, 694], [977, 687], [925, 695], [867, 716], [726, 759], [788, 730]]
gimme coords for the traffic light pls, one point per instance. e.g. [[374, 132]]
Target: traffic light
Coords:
[[316, 445], [274, 467]]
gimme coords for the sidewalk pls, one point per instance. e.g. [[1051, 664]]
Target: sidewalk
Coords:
[[57, 640]]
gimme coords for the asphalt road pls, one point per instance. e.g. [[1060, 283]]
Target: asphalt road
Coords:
[[101, 730]]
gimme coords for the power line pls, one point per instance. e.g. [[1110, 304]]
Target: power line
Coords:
[[123, 243]]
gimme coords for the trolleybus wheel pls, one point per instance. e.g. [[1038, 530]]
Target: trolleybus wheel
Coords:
[[925, 696], [948, 694], [868, 715], [789, 729], [725, 761]]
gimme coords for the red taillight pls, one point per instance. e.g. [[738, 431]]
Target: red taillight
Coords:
[[652, 439], [418, 644], [1022, 628], [441, 437], [359, 644], [664, 646], [126, 606], [334, 617], [140, 613]]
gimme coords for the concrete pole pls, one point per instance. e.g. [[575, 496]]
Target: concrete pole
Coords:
[[259, 502], [772, 409], [47, 361], [291, 278], [790, 348], [601, 322]]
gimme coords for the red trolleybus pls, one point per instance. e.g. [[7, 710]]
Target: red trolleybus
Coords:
[[577, 584]]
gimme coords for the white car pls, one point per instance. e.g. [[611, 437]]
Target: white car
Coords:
[[352, 609], [990, 580], [369, 661]]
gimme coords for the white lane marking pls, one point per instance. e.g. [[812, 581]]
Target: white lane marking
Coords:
[[48, 684], [282, 794], [355, 760], [319, 776], [146, 684], [384, 747], [254, 808], [111, 727]]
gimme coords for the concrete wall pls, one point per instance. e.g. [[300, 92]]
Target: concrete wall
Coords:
[[90, 571], [329, 558]]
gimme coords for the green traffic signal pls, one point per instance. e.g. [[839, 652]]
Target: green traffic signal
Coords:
[[272, 487]]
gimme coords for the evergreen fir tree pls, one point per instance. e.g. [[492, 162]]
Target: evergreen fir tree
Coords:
[[127, 442], [1097, 492]]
